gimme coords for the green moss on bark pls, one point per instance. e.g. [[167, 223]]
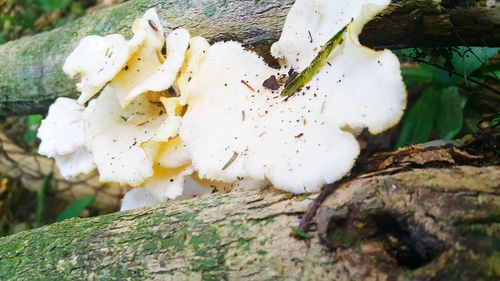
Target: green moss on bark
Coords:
[[246, 235], [31, 77]]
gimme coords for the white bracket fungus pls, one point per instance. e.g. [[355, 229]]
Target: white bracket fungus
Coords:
[[63, 138], [116, 140], [168, 185], [225, 125], [98, 59], [237, 128], [148, 69]]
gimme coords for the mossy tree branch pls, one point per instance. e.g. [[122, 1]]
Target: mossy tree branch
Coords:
[[31, 76], [424, 224]]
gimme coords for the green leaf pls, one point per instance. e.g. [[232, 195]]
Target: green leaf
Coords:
[[450, 116], [28, 18], [301, 234], [419, 120], [419, 74], [495, 121], [470, 59], [307, 74], [33, 123], [466, 60], [40, 200], [8, 19], [77, 9], [52, 5], [75, 208], [491, 70]]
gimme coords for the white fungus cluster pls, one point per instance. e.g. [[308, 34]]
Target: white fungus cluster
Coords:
[[181, 122]]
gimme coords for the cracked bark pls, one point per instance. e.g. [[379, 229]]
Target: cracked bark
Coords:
[[422, 224], [32, 77]]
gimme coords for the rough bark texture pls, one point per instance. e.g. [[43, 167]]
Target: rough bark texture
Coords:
[[31, 76], [424, 224]]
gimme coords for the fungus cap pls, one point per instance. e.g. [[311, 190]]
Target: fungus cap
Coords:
[[237, 128], [148, 69], [311, 23], [98, 59], [167, 184], [80, 162], [115, 137], [62, 137], [138, 198], [163, 76], [198, 47]]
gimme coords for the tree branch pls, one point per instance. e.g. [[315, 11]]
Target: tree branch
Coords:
[[424, 224], [31, 76]]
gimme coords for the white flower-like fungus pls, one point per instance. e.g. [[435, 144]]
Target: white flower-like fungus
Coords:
[[236, 132], [115, 137], [128, 114], [134, 67], [98, 59], [311, 23], [63, 138], [126, 127], [169, 184], [138, 198], [173, 154], [148, 69], [198, 46], [236, 128]]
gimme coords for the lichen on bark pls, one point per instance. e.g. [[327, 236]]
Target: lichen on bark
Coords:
[[446, 219], [31, 77]]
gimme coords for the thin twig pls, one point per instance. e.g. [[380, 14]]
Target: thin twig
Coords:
[[328, 189], [455, 73]]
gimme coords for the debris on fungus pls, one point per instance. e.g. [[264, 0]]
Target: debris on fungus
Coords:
[[98, 59], [203, 117], [308, 140], [148, 70], [198, 46], [115, 139]]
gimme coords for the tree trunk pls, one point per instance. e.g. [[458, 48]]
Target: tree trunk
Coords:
[[421, 224], [31, 76]]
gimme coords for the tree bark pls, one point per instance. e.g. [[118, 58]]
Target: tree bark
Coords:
[[421, 224], [31, 76]]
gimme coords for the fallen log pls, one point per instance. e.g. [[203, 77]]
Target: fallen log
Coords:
[[31, 77], [421, 224]]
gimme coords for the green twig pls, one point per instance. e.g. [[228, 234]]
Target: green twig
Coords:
[[307, 74]]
